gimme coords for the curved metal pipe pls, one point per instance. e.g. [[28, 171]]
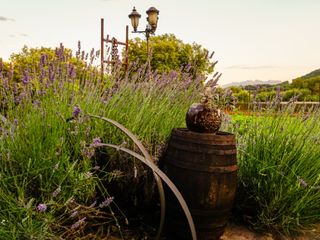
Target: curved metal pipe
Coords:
[[157, 174]]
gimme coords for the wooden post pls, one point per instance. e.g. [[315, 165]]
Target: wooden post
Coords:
[[102, 49], [108, 40], [127, 48]]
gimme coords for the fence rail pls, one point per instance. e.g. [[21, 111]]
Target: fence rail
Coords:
[[249, 106]]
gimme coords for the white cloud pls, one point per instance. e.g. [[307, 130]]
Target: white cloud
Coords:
[[253, 67], [3, 19]]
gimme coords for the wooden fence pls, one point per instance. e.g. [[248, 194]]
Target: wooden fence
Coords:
[[298, 106]]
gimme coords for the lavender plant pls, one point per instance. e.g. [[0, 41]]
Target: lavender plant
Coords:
[[279, 154], [45, 140]]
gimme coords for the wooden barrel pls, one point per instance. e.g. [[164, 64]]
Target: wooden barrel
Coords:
[[203, 167]]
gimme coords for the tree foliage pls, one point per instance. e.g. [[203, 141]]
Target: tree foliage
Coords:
[[170, 53], [34, 65], [31, 61], [242, 96]]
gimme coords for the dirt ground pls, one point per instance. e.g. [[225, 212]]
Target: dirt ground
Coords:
[[241, 232], [236, 232]]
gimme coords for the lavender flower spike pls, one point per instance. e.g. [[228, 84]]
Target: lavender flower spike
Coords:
[[93, 204], [106, 202], [302, 182], [88, 175], [73, 214], [56, 192], [42, 207], [76, 112], [26, 78], [78, 223], [96, 140]]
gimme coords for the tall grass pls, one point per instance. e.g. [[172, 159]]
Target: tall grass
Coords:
[[279, 175]]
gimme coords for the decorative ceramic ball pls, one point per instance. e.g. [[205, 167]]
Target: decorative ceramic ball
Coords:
[[203, 119]]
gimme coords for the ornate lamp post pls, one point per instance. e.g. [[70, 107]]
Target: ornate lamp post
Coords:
[[151, 27]]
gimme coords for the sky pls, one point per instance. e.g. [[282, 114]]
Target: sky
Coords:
[[252, 39]]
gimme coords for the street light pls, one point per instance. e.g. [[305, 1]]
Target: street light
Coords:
[[134, 16], [151, 27], [153, 18], [152, 21]]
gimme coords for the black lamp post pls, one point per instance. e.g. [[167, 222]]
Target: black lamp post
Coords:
[[151, 27]]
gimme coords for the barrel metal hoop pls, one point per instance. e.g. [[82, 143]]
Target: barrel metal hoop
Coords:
[[202, 168], [197, 149]]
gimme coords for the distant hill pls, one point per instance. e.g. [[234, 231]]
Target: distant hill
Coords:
[[315, 73], [251, 82]]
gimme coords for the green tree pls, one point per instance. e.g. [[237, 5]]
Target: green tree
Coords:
[[242, 96], [169, 53], [303, 94], [235, 89], [309, 81], [265, 96], [32, 60]]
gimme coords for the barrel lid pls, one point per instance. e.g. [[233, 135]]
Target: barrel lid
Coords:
[[219, 136]]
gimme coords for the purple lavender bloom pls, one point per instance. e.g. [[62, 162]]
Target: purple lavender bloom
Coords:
[[76, 112], [51, 73], [173, 74], [106, 202], [71, 71], [37, 103], [82, 55], [26, 78], [41, 92], [43, 60], [93, 204], [92, 53], [70, 200], [60, 52], [73, 214], [5, 82], [15, 89], [88, 175], [42, 207], [96, 168], [55, 168], [97, 53], [88, 152], [78, 223], [42, 75], [10, 73], [96, 140], [302, 182], [79, 50], [56, 192], [278, 91]]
